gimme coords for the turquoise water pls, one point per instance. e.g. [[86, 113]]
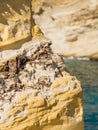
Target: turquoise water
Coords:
[[91, 107], [87, 73]]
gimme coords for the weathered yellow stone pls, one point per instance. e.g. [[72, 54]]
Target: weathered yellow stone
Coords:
[[15, 21], [36, 31], [72, 25], [63, 109]]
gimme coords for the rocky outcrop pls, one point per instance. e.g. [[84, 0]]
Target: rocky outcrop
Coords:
[[71, 25], [36, 91], [15, 17], [37, 94]]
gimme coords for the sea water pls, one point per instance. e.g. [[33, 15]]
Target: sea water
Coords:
[[91, 107], [87, 73]]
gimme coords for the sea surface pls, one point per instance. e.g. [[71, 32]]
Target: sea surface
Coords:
[[87, 73]]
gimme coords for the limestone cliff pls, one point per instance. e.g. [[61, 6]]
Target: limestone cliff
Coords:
[[71, 25], [15, 22], [36, 92]]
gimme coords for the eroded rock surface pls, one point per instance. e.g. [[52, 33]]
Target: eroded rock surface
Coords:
[[71, 25], [36, 92], [15, 21]]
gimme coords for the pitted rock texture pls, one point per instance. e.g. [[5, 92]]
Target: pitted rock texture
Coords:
[[15, 21], [70, 24], [35, 70], [36, 93]]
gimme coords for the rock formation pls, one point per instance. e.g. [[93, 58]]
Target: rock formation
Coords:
[[70, 24], [36, 92], [14, 21]]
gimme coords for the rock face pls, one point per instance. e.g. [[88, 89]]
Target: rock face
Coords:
[[15, 22], [37, 94], [36, 91], [71, 25]]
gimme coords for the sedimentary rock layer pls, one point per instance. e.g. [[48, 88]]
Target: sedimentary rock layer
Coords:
[[71, 25]]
